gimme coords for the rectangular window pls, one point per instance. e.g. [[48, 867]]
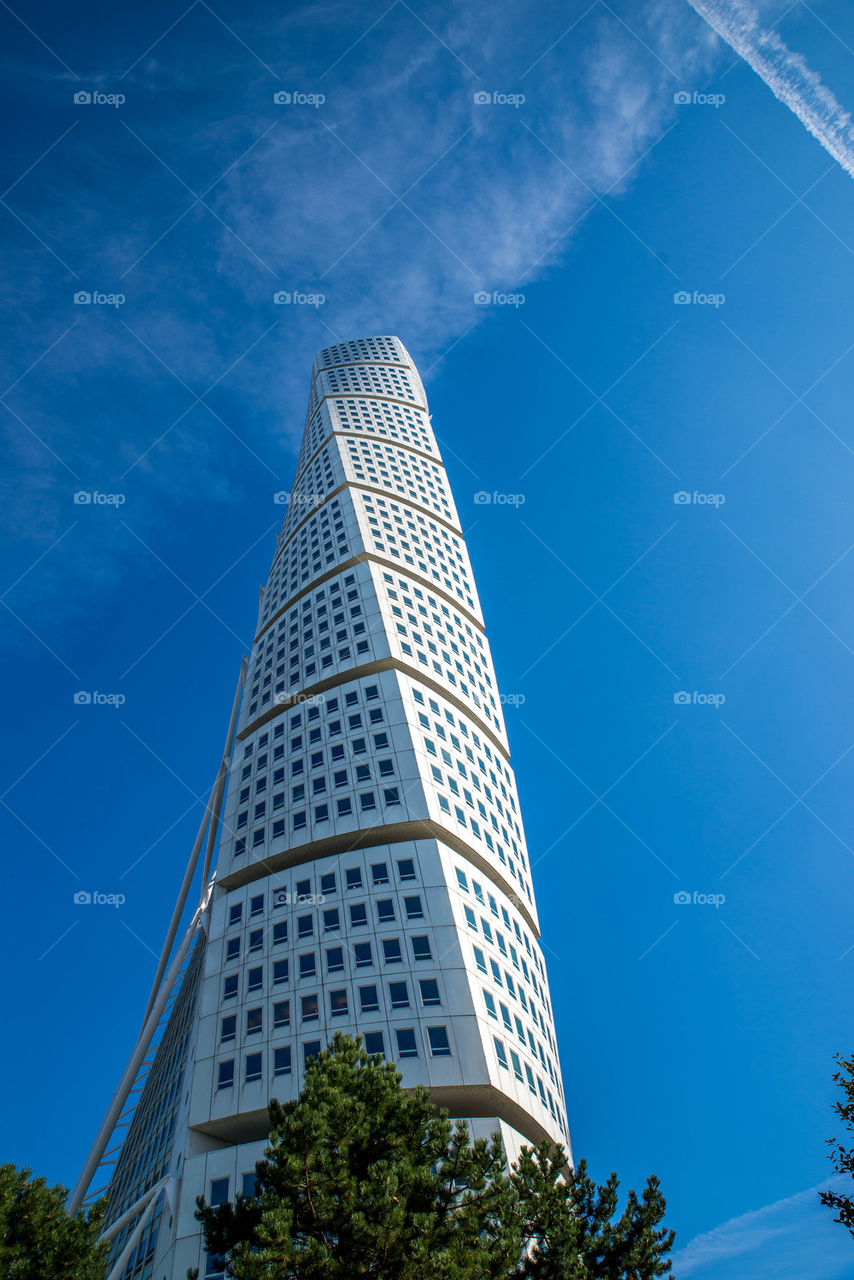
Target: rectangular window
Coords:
[[253, 1067], [225, 1079], [391, 951], [438, 1040], [254, 1020], [334, 959], [374, 1043], [282, 1013], [500, 1053], [363, 954], [310, 1050], [305, 926], [229, 987], [331, 920], [358, 915], [228, 1029], [280, 932], [368, 999], [307, 965], [281, 1067], [379, 872], [219, 1192], [280, 971], [354, 878], [421, 948], [327, 882], [309, 1008], [338, 1006], [406, 868], [256, 979], [406, 1043], [413, 907], [398, 995], [385, 911]]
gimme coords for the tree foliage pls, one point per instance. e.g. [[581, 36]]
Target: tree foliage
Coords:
[[362, 1179], [841, 1157], [38, 1237]]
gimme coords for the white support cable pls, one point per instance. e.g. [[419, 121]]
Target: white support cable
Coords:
[[214, 801], [138, 1204], [133, 1239], [114, 1110]]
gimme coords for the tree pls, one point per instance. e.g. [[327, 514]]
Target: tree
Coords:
[[362, 1179], [842, 1158], [38, 1238], [566, 1223]]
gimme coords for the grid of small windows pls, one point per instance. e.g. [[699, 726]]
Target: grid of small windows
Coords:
[[380, 348], [473, 785], [389, 467], [146, 1152], [366, 380], [325, 632], [348, 943], [516, 997], [398, 532], [323, 474], [323, 765], [320, 542], [426, 629]]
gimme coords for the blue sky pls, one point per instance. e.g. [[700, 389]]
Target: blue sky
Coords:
[[696, 1039]]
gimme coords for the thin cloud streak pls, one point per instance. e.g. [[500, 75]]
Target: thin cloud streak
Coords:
[[786, 74]]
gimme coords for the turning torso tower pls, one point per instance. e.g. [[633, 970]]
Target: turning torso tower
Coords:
[[371, 873]]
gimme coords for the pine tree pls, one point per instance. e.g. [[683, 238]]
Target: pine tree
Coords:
[[39, 1239], [567, 1223], [842, 1158], [363, 1179]]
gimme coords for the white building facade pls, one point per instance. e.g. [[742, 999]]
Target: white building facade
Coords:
[[372, 874]]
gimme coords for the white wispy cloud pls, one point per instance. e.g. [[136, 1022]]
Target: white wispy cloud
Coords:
[[788, 1240], [786, 74]]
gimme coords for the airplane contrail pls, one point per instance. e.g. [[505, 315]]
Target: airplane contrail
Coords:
[[785, 73]]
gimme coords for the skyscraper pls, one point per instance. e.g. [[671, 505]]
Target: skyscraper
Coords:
[[372, 874]]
